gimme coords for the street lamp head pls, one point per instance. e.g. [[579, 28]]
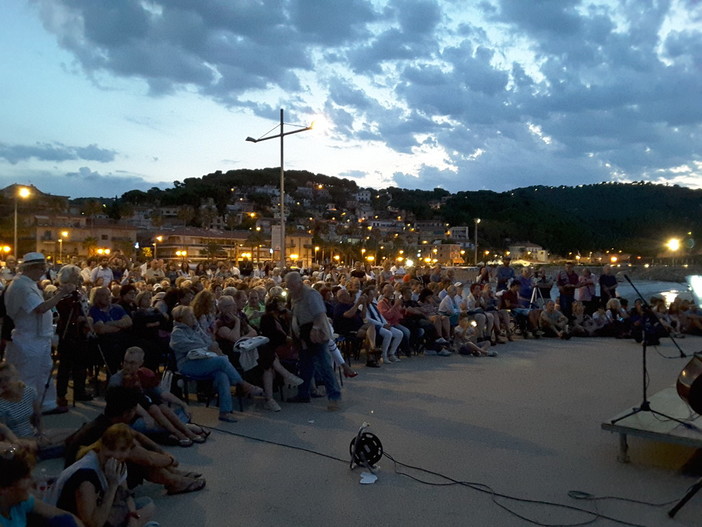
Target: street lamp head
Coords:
[[64, 234], [477, 220], [24, 192], [673, 244], [251, 140]]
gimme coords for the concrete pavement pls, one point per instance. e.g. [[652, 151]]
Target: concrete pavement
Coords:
[[526, 423]]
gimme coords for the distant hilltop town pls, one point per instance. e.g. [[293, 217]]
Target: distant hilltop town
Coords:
[[236, 215]]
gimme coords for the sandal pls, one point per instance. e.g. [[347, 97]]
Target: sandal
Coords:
[[193, 486], [187, 474]]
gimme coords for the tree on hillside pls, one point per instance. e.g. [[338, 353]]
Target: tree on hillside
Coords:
[[92, 208], [157, 217], [186, 214], [208, 213]]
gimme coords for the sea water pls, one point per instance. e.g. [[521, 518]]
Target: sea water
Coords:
[[647, 289], [650, 288]]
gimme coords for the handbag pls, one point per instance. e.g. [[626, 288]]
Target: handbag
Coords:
[[200, 353], [248, 352], [249, 343]]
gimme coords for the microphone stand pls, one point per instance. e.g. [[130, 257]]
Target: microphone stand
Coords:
[[645, 405]]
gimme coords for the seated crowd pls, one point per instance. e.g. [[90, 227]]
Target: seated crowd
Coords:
[[246, 332]]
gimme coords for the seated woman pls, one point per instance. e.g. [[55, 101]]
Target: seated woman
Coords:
[[617, 320], [148, 321], [152, 406], [205, 309], [94, 487], [430, 308], [582, 324], [187, 337], [670, 324], [20, 417], [275, 326], [18, 507]]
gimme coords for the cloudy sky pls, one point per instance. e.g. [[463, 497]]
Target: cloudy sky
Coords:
[[101, 97]]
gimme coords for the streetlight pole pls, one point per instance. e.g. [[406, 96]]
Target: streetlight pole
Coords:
[[22, 192], [476, 220], [281, 135], [64, 234], [157, 240]]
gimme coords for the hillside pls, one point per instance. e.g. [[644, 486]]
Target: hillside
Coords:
[[633, 217]]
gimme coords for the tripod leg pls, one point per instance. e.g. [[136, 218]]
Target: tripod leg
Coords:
[[693, 490]]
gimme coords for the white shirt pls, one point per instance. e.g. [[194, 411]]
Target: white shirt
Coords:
[[449, 306], [105, 273], [21, 299]]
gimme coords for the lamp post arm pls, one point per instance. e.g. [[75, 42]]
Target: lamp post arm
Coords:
[[277, 136]]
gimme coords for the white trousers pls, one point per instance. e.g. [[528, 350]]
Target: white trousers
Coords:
[[31, 356], [391, 340]]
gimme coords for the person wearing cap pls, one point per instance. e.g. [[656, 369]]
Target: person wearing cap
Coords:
[[30, 348]]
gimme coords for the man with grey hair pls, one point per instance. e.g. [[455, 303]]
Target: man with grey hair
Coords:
[[30, 348], [312, 329]]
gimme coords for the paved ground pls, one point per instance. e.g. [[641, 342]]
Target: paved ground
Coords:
[[526, 423]]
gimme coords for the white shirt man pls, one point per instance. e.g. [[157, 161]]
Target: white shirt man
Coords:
[[102, 271], [30, 348]]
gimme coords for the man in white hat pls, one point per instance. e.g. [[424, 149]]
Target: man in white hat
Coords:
[[30, 348]]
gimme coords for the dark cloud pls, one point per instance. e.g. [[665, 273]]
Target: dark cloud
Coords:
[[535, 90], [332, 23], [54, 152], [86, 182]]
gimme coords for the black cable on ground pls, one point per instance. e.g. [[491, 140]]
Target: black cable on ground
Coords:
[[482, 487]]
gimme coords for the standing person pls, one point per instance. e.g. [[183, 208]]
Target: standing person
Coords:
[[30, 348], [73, 328], [544, 283], [608, 285], [504, 273], [586, 292], [567, 282], [9, 270], [103, 271], [311, 327], [526, 287]]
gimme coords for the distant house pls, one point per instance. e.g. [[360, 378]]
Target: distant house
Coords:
[[528, 251], [61, 237]]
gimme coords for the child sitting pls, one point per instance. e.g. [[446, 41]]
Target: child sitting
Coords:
[[465, 341]]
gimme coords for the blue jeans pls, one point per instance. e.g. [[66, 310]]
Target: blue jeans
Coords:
[[221, 371], [313, 360]]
